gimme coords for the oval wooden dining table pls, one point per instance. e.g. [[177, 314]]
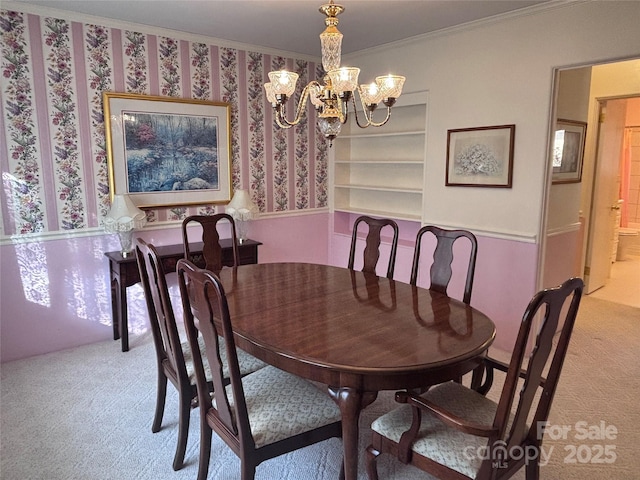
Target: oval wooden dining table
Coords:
[[356, 333]]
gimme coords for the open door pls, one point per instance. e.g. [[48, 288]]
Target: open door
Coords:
[[605, 193]]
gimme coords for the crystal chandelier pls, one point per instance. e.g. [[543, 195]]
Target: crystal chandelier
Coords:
[[331, 99]]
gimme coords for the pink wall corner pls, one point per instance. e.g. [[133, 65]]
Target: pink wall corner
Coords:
[[293, 238], [55, 294]]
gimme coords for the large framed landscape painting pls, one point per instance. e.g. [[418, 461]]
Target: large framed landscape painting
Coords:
[[166, 152]]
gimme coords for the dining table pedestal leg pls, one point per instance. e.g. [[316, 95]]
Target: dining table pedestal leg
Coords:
[[351, 402]]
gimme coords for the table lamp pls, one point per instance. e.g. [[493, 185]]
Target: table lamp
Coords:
[[123, 218], [242, 210]]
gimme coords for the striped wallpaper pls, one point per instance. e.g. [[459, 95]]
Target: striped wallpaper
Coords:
[[52, 149]]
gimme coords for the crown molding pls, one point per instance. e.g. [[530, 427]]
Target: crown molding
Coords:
[[150, 30]]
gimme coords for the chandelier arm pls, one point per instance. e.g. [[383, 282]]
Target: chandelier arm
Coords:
[[369, 115], [375, 124], [281, 118], [279, 115], [355, 112]]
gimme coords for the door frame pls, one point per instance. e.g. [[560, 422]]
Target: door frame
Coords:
[[587, 187]]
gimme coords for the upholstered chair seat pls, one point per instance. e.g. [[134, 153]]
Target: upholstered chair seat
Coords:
[[281, 405], [438, 441]]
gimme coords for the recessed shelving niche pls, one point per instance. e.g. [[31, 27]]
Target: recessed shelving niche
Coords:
[[380, 171]]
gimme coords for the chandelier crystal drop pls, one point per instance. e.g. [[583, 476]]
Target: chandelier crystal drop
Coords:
[[340, 84]]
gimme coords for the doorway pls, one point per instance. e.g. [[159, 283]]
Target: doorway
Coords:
[[614, 275], [579, 98]]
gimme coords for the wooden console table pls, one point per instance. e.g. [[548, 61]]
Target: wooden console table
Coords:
[[123, 272]]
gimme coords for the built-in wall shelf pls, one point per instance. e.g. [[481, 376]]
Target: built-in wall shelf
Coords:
[[381, 162], [379, 171], [380, 188], [380, 213]]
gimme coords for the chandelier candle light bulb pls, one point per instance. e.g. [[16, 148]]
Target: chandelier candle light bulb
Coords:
[[390, 87], [371, 95], [283, 82], [331, 99], [271, 96]]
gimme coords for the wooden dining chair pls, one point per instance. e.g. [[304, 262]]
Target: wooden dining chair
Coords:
[[455, 432], [210, 237], [371, 253], [260, 416], [174, 357], [441, 270]]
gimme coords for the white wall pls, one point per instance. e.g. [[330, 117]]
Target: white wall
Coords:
[[501, 73], [572, 101]]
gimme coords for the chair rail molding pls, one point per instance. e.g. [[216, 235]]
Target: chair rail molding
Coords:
[[569, 228]]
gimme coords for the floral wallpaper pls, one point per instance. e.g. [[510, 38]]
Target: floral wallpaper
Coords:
[[52, 149]]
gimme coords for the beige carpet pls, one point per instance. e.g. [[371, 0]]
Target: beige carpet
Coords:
[[86, 413]]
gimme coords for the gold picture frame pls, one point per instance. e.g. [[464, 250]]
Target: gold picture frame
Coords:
[[166, 152]]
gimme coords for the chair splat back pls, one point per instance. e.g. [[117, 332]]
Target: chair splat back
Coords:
[[211, 249], [163, 323], [551, 303], [441, 271], [202, 292], [372, 244]]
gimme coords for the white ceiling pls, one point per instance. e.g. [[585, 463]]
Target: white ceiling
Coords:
[[294, 25]]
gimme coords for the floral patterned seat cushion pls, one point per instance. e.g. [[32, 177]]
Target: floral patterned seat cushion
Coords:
[[281, 405], [248, 363], [436, 440]]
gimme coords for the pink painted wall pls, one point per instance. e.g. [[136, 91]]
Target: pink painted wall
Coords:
[[55, 294], [301, 238], [563, 257]]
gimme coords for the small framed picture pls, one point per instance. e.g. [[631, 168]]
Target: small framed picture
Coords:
[[480, 157], [166, 152], [568, 151]]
